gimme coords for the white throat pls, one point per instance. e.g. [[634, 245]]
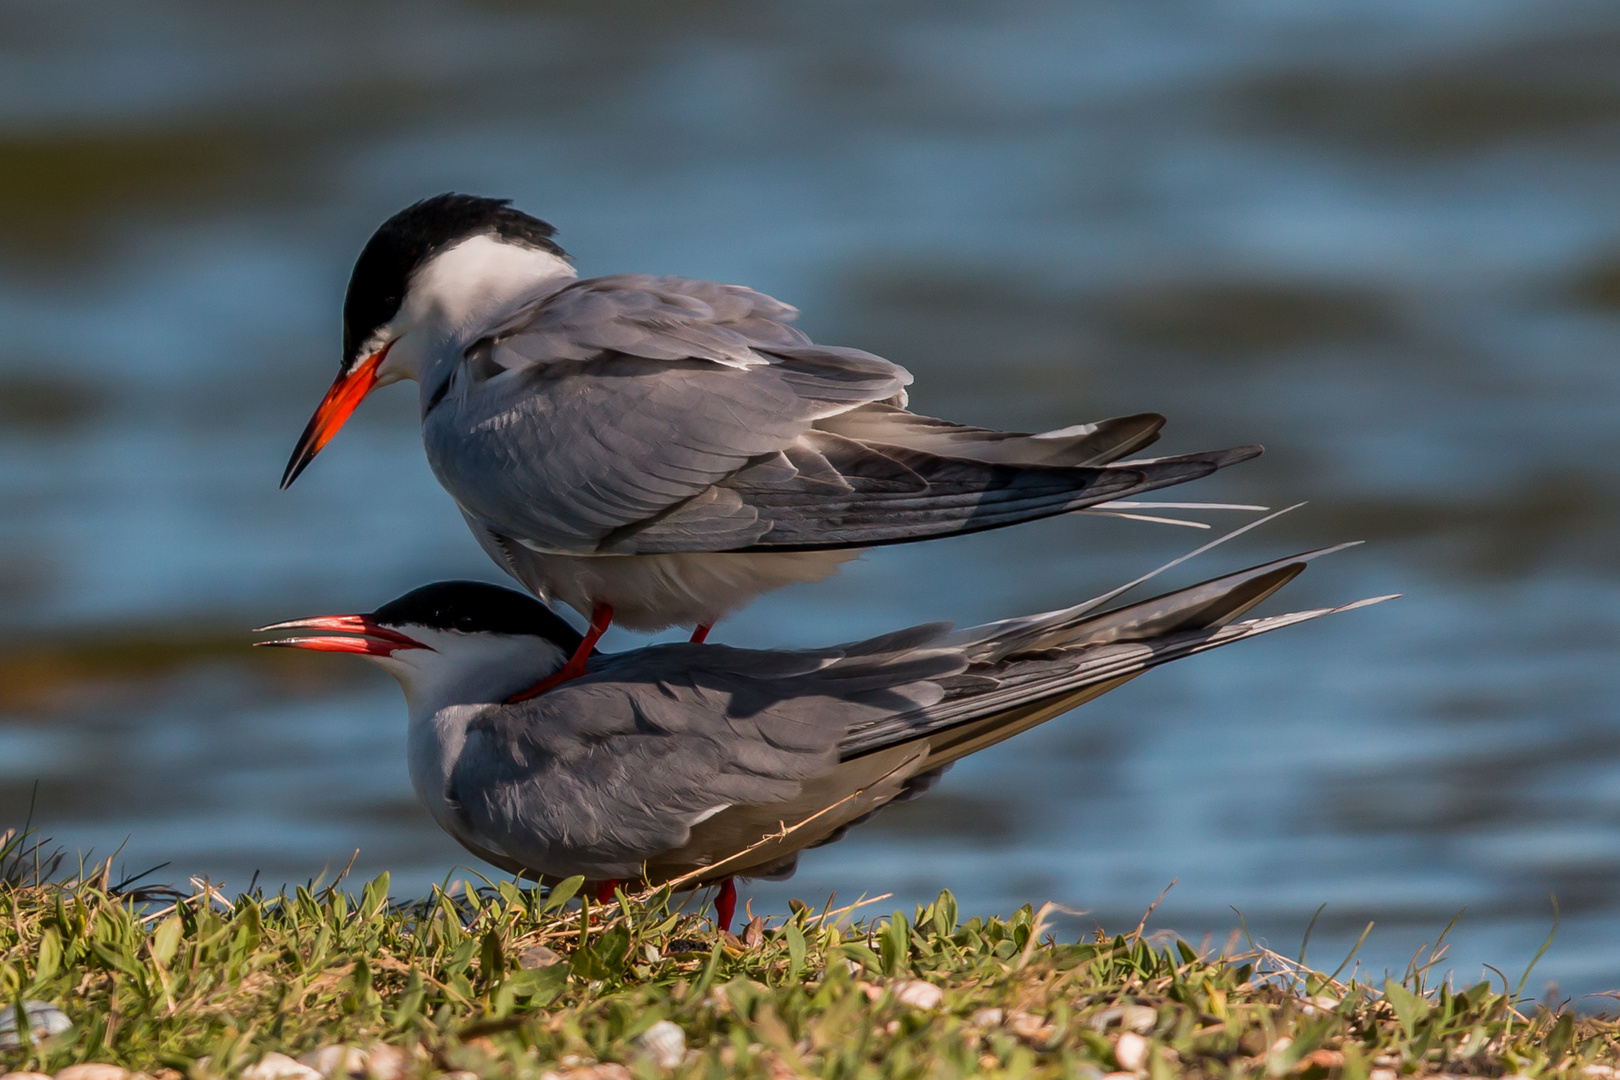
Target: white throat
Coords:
[[468, 669], [459, 296]]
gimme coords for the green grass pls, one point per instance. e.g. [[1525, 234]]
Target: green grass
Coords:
[[155, 981]]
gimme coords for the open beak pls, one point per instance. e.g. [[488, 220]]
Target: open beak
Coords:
[[346, 393], [370, 638]]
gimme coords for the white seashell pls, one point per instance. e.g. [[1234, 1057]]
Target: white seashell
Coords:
[[1130, 1050], [274, 1066], [44, 1020], [918, 994], [379, 1061], [665, 1044], [94, 1070], [1138, 1018], [336, 1060]]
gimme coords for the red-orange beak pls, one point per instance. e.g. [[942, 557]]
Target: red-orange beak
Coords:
[[343, 398], [372, 639]]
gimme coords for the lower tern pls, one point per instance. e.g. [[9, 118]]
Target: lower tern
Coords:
[[691, 764], [659, 451]]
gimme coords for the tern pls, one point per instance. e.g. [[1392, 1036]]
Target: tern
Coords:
[[690, 764], [659, 451]]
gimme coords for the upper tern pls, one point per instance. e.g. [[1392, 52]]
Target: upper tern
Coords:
[[691, 763], [660, 451]]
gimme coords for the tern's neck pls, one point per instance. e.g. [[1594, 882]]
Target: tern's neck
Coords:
[[469, 669], [464, 293]]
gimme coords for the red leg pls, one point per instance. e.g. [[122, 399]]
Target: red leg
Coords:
[[725, 904], [701, 634], [601, 618], [604, 890]]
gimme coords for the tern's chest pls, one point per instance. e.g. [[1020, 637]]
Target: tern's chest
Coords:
[[433, 747]]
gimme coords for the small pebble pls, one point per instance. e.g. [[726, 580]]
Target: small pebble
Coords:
[[94, 1070], [665, 1044], [1130, 1050], [1138, 1018], [918, 994], [1029, 1027], [1382, 1074], [607, 1070], [987, 1018], [44, 1020], [336, 1060], [25, 1076], [272, 1066], [384, 1062]]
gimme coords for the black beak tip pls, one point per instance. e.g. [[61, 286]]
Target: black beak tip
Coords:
[[295, 467]]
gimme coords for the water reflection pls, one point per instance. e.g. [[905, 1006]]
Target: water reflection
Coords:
[[1382, 239]]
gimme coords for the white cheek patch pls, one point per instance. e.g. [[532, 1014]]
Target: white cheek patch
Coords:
[[406, 357], [461, 290]]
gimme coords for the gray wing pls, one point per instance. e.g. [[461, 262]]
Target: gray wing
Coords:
[[635, 415], [607, 771]]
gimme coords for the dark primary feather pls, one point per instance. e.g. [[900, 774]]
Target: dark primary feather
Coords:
[[949, 497], [1085, 444]]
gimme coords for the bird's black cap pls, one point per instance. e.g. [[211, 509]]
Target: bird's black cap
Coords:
[[474, 607], [409, 238]]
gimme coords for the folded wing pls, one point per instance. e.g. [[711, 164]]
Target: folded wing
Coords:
[[634, 415], [610, 769]]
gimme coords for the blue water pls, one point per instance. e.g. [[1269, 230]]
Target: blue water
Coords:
[[1383, 239]]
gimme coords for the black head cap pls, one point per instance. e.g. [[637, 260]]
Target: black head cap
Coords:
[[412, 236], [475, 607]]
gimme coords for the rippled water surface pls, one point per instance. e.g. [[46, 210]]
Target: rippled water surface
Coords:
[[1381, 238]]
